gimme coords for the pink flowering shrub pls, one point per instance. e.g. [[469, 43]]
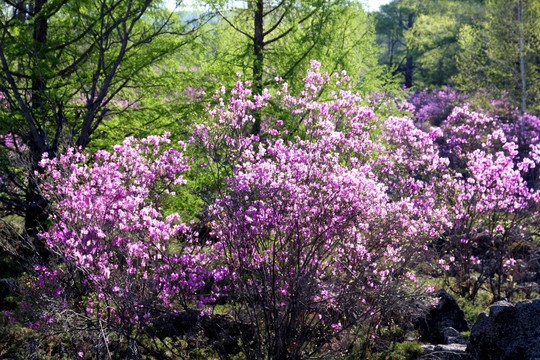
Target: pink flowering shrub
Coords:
[[226, 137], [432, 106], [491, 194], [315, 246], [120, 263], [521, 128], [491, 207], [412, 165], [467, 119]]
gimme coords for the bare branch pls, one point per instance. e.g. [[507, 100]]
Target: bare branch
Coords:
[[291, 28], [276, 24], [274, 8], [232, 25]]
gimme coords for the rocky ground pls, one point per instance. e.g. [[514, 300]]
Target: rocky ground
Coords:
[[504, 332]]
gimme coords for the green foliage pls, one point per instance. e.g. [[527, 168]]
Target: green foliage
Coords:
[[161, 96], [394, 348], [407, 350], [11, 229], [392, 23], [339, 31], [492, 49], [11, 338], [473, 308], [422, 38], [433, 41]]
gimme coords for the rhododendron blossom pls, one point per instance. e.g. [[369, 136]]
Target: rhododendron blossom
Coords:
[[308, 226], [490, 190], [112, 239]]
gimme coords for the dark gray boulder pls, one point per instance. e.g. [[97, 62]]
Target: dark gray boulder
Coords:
[[507, 332], [446, 314], [452, 336]]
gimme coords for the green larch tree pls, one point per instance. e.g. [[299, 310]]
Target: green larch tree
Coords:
[[66, 67]]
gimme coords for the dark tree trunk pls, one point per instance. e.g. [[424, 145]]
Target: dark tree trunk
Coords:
[[258, 43], [36, 211], [36, 205], [409, 65], [40, 42], [409, 72]]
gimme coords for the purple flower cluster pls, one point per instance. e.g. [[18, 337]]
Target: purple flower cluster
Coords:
[[490, 187], [433, 106], [110, 233], [317, 224]]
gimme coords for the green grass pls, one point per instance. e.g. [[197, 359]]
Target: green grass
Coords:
[[407, 350]]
